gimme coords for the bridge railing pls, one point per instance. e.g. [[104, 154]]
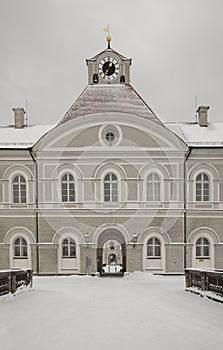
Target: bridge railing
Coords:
[[205, 280], [11, 280]]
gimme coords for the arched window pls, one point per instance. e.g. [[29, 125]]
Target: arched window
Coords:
[[110, 188], [153, 188], [202, 188], [122, 79], [153, 248], [68, 188], [19, 189], [202, 248], [95, 78], [20, 248], [69, 248]]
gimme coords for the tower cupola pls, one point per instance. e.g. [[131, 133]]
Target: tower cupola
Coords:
[[108, 67]]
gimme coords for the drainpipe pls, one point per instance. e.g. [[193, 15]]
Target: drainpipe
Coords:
[[185, 206], [37, 214]]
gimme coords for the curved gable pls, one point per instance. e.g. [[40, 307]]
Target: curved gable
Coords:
[[136, 132]]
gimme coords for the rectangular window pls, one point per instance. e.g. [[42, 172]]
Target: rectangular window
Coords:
[[156, 192], [114, 192], [206, 250], [157, 251], [64, 193], [71, 192], [107, 195], [65, 250], [72, 196], [24, 251], [16, 193], [72, 250], [16, 250], [198, 251], [23, 193], [149, 250]]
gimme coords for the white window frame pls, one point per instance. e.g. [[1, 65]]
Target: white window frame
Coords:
[[21, 245], [152, 263], [154, 245], [70, 243], [68, 264], [213, 186], [112, 186], [19, 183], [202, 247], [68, 182], [152, 184], [202, 262], [202, 184]]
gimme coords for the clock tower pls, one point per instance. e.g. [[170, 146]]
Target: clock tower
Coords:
[[109, 89], [108, 67]]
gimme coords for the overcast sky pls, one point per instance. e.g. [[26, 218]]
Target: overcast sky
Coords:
[[175, 45]]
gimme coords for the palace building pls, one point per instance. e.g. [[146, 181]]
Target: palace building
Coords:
[[111, 188]]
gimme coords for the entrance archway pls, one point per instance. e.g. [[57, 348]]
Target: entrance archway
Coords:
[[111, 252]]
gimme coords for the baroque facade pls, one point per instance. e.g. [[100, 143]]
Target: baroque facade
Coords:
[[111, 188]]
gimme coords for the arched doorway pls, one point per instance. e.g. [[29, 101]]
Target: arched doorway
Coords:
[[111, 252]]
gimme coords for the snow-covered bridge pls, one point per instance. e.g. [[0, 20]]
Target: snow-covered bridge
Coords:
[[139, 311]]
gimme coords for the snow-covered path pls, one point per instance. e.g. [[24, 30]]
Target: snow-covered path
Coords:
[[139, 311]]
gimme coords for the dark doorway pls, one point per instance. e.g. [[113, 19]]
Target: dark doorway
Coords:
[[111, 253]]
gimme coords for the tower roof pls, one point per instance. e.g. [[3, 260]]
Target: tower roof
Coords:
[[109, 98], [108, 51]]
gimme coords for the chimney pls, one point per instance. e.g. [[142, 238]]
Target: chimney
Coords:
[[19, 115], [203, 115]]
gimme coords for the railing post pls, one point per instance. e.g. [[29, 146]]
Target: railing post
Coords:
[[203, 281], [29, 278], [13, 282], [188, 278], [207, 282], [9, 287]]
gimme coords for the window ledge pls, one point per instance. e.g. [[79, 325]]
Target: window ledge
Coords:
[[203, 205], [111, 204], [20, 205]]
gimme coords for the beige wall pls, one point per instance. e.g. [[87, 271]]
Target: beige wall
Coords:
[[143, 147]]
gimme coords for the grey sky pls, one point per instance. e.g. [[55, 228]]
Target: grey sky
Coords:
[[176, 47]]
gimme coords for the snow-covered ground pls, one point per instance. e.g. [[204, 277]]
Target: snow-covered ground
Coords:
[[139, 311]]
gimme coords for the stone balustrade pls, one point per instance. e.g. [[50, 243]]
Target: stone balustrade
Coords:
[[11, 280], [205, 282]]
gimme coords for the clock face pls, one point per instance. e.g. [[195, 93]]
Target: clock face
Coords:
[[108, 68]]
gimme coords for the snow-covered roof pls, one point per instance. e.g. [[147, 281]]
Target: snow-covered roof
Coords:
[[191, 133], [104, 98], [197, 136], [10, 137]]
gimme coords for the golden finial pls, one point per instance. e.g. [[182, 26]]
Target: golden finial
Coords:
[[108, 38]]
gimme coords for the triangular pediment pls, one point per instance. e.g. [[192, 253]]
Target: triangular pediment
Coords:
[[107, 52]]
